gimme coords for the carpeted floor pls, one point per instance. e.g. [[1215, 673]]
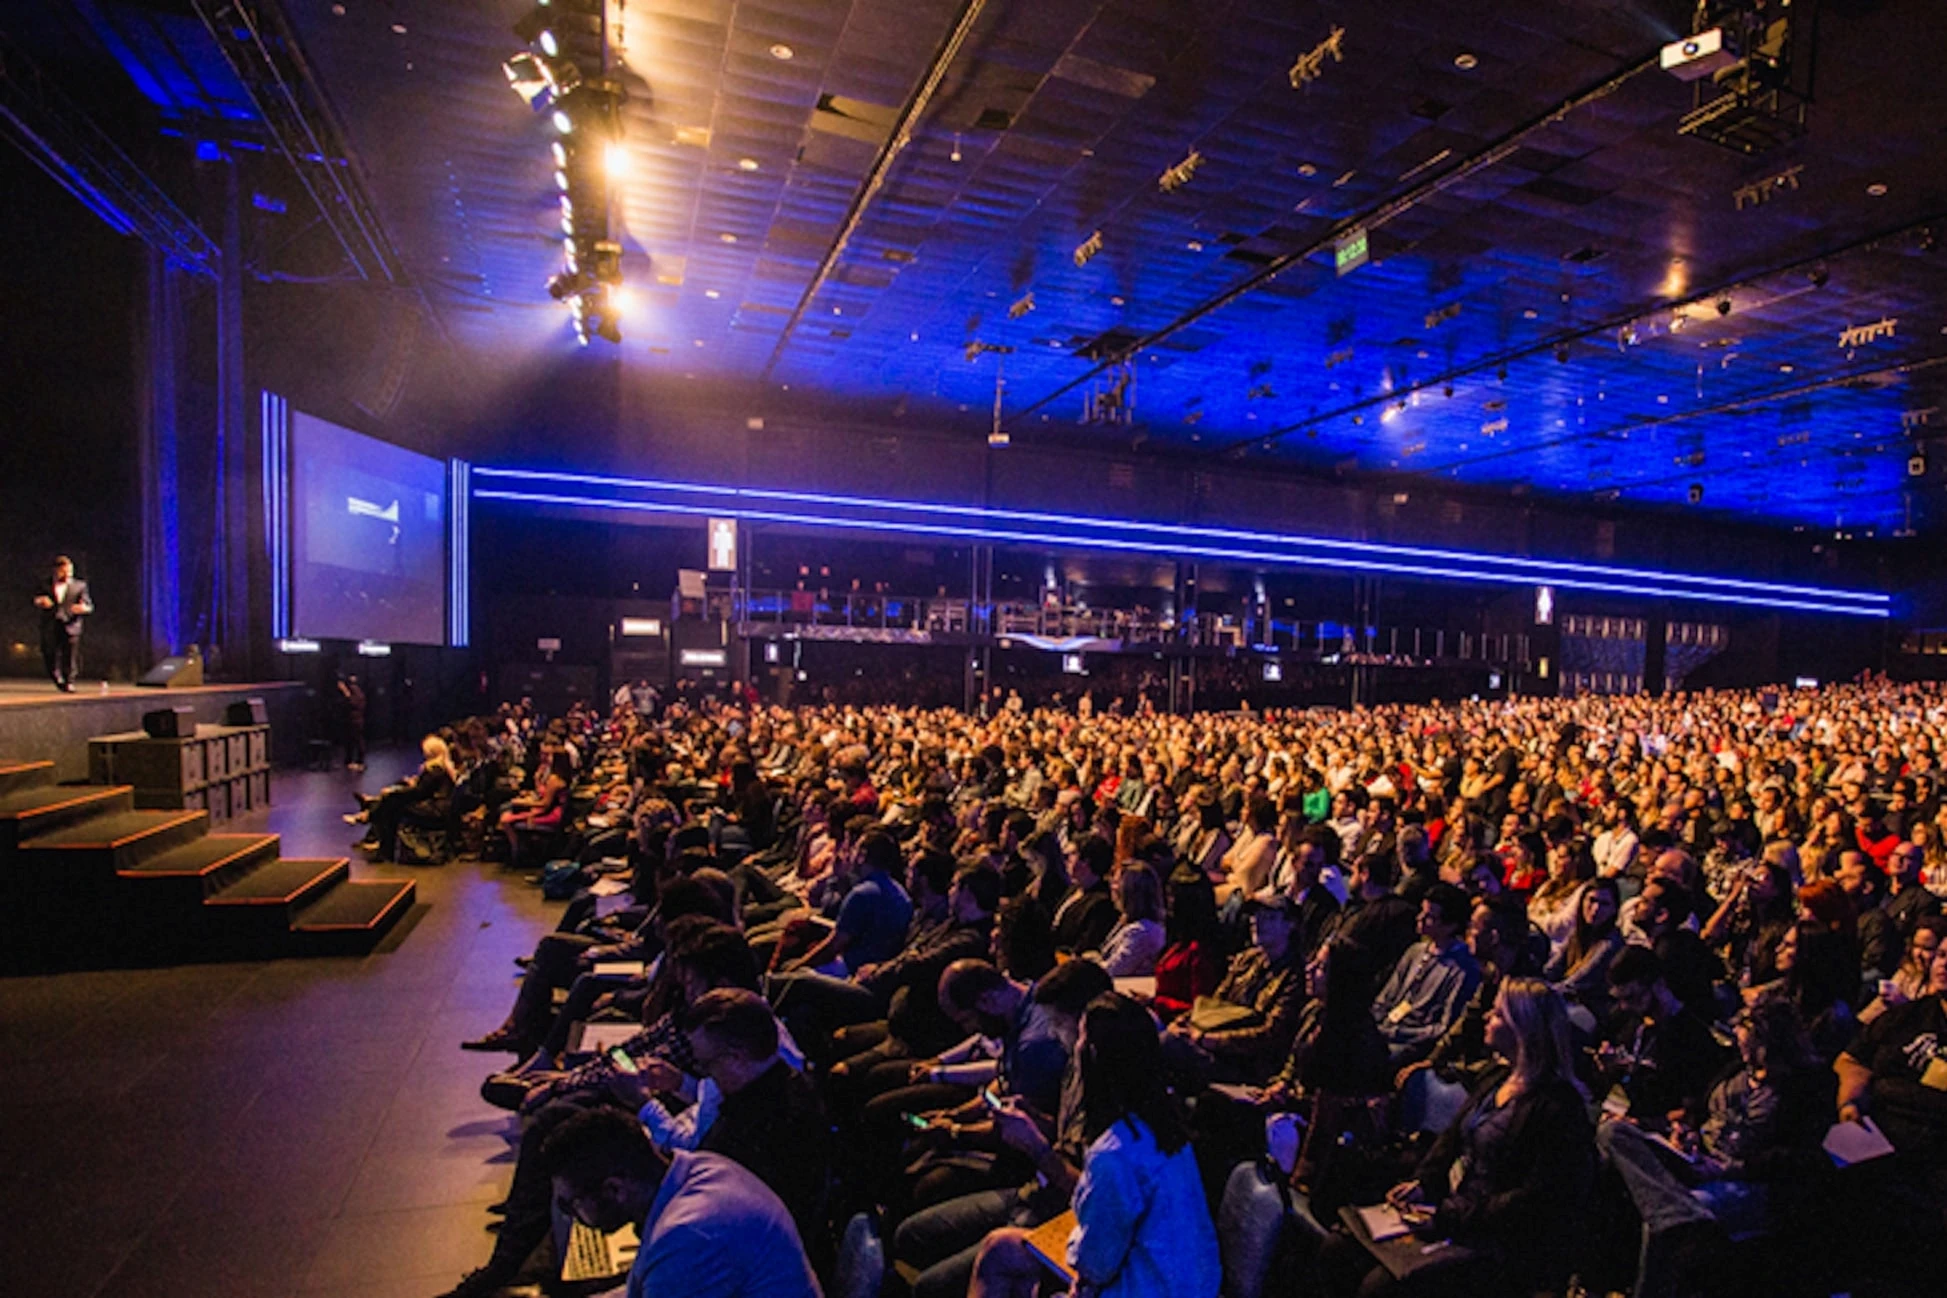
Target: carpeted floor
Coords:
[[295, 1127]]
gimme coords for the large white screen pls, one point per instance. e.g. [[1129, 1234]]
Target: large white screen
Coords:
[[368, 559]]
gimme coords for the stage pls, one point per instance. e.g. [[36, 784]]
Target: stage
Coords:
[[38, 721]]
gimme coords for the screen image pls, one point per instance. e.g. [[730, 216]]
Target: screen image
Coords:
[[368, 557]]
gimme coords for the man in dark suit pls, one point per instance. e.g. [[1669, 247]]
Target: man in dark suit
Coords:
[[63, 602]]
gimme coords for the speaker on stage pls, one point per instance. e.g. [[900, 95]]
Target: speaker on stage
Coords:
[[170, 723], [175, 673], [246, 712]]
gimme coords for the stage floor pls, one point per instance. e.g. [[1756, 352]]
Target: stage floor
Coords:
[[15, 692], [296, 1127]]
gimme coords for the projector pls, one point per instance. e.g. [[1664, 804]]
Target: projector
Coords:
[[1696, 57]]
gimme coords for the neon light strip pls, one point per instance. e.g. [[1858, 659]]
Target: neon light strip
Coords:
[[1525, 570], [275, 420], [459, 613], [1142, 547]]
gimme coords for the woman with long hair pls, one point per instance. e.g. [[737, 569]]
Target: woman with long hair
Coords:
[[426, 796], [1133, 945], [1909, 981], [1142, 1224], [1499, 1201], [1192, 961], [1579, 970], [1557, 903]]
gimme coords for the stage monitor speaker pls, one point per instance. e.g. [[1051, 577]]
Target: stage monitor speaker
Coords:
[[170, 723], [174, 673], [246, 712]]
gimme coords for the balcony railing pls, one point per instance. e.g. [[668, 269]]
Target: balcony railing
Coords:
[[1139, 626]]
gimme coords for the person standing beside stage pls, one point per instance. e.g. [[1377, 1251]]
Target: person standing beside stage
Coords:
[[63, 602], [351, 703]]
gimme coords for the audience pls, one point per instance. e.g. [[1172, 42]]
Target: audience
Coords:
[[1584, 980]]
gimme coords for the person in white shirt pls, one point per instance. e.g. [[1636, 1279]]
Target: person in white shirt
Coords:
[[1132, 946]]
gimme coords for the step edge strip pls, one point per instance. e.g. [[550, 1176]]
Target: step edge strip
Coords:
[[209, 869], [407, 888], [100, 794], [35, 845], [219, 900]]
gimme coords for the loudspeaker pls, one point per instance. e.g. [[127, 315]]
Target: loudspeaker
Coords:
[[246, 712], [170, 723], [174, 673]]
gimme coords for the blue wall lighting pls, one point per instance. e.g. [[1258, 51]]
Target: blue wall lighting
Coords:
[[1072, 531]]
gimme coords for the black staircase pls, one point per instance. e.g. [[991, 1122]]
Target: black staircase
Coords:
[[87, 881]]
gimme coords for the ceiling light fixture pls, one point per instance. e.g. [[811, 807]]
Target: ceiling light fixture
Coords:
[[956, 146], [712, 294], [549, 46], [781, 51], [562, 122], [561, 181], [1876, 189], [560, 152], [1465, 62], [615, 159], [727, 237], [746, 164]]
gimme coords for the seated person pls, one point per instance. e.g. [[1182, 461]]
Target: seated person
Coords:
[[1431, 982], [1242, 1032], [1142, 1226], [1087, 912], [1133, 945], [1191, 963], [1501, 1198], [425, 797], [1660, 1055], [708, 1228], [1703, 1175], [815, 1005]]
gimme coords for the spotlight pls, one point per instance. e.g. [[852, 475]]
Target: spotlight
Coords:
[[560, 152], [529, 79], [1723, 306], [562, 122], [567, 206], [561, 181], [549, 46], [615, 157], [567, 225]]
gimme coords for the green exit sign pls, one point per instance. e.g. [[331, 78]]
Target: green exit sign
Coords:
[[1352, 251]]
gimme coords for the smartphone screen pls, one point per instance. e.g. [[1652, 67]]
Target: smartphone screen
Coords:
[[916, 1122], [619, 1059]]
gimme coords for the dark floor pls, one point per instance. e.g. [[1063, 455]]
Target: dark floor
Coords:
[[295, 1127]]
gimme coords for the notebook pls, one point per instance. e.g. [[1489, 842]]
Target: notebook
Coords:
[[1049, 1243], [619, 968]]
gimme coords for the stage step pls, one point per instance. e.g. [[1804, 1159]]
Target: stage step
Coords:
[[210, 863], [24, 775], [353, 916], [121, 839], [28, 812], [287, 885]]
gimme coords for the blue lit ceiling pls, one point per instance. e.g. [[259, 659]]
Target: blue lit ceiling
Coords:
[[1603, 237]]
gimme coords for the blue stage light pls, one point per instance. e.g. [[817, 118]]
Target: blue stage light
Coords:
[[1345, 556]]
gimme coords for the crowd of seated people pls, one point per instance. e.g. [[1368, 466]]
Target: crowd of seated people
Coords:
[[1523, 997]]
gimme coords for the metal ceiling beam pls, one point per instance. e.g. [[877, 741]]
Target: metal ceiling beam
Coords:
[[63, 141], [1371, 219], [875, 178], [1607, 325], [258, 43]]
